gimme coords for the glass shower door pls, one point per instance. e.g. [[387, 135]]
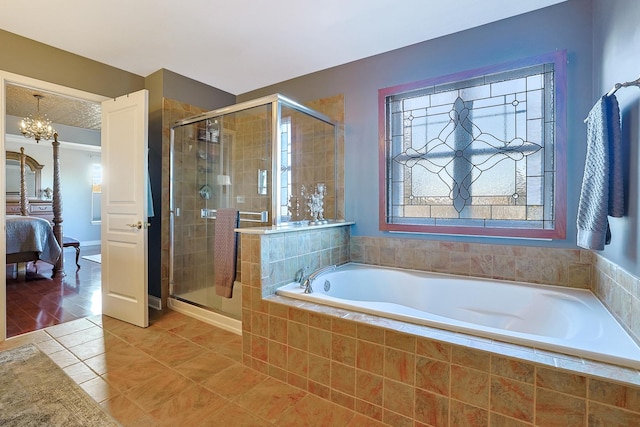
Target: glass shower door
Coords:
[[201, 184]]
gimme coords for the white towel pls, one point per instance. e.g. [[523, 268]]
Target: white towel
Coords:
[[602, 193]]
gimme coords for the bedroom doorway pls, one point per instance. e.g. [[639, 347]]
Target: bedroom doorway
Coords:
[[43, 301]]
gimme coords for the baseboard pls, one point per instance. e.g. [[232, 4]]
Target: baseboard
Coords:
[[215, 319], [155, 302]]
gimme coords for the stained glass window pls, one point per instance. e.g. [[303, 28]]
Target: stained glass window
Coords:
[[475, 154]]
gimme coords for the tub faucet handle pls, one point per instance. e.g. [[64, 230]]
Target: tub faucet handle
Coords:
[[301, 275]]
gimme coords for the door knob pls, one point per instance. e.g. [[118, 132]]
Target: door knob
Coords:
[[140, 224]]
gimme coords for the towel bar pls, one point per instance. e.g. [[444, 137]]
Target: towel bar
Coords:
[[211, 214]]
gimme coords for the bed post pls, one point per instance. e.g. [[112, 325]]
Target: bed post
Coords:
[[24, 201], [58, 269]]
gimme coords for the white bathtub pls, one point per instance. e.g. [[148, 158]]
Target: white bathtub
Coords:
[[565, 320]]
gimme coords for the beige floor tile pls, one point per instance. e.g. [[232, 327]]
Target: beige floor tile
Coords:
[[188, 407], [359, 420], [81, 337], [126, 412], [97, 319], [313, 411], [170, 319], [99, 389], [91, 348], [175, 351], [127, 377], [179, 371], [64, 358], [204, 366], [220, 341], [69, 327], [152, 394], [233, 415], [117, 355], [50, 346], [80, 373], [270, 398], [188, 328], [232, 349], [234, 381]]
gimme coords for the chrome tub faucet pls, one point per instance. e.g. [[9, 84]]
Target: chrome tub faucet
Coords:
[[308, 281]]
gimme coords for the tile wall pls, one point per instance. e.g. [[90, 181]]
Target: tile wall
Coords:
[[619, 290], [406, 375]]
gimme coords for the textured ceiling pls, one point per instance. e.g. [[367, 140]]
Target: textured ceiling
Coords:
[[59, 109]]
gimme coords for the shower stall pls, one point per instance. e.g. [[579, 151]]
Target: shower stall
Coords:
[[270, 159]]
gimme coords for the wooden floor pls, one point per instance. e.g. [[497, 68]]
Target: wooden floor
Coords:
[[40, 301]]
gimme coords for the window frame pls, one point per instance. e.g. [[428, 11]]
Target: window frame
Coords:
[[558, 58]]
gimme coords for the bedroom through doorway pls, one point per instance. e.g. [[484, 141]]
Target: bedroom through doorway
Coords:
[[34, 298]]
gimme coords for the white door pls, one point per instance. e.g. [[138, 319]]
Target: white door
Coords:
[[124, 208]]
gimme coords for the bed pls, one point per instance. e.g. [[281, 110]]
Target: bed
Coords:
[[33, 239], [30, 239]]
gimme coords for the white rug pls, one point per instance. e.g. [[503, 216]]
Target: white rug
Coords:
[[95, 258]]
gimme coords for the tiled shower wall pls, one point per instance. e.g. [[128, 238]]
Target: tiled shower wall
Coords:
[[190, 223], [406, 376]]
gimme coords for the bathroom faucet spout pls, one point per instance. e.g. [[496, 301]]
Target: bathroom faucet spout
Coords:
[[308, 281]]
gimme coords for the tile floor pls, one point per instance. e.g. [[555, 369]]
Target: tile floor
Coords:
[[40, 301], [177, 372]]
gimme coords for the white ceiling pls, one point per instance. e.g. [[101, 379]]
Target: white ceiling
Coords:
[[242, 45]]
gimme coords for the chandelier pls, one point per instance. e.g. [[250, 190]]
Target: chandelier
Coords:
[[38, 127]]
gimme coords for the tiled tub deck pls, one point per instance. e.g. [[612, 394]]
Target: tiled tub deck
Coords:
[[406, 375]]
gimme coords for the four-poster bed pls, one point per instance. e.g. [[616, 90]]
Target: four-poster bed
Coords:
[[30, 238]]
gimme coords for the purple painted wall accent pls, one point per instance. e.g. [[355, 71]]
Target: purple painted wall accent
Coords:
[[616, 49], [602, 44]]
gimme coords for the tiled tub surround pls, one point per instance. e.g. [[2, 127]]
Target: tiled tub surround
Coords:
[[553, 318], [409, 375], [616, 288]]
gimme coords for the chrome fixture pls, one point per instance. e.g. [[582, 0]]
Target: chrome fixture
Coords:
[[306, 284], [38, 127], [301, 275]]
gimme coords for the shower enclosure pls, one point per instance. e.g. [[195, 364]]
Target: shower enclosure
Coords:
[[272, 159]]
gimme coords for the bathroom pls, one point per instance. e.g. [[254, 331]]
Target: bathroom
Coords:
[[469, 381], [473, 380]]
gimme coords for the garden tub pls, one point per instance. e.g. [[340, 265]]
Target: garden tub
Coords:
[[554, 318]]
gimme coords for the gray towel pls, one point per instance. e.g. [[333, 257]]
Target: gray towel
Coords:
[[225, 251], [602, 193]]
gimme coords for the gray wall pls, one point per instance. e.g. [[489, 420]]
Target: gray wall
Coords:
[[564, 26], [616, 53], [29, 58]]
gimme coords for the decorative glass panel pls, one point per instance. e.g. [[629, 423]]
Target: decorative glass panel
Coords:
[[475, 154]]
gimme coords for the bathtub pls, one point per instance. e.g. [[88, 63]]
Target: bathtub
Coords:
[[554, 318]]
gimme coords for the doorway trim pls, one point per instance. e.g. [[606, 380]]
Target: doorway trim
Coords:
[[19, 80]]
